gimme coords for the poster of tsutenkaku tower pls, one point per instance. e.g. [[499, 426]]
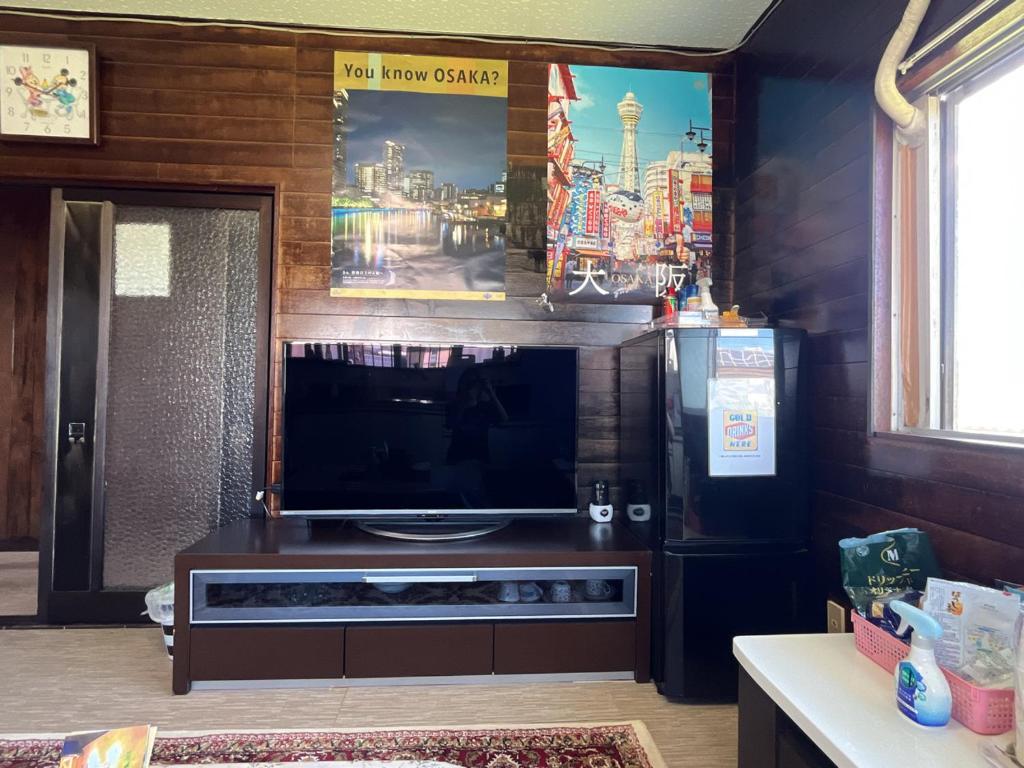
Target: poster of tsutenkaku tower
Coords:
[[420, 167], [629, 182]]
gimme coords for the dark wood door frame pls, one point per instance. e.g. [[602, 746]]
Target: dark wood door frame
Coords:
[[94, 605]]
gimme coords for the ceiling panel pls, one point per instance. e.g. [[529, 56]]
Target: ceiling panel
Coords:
[[688, 24]]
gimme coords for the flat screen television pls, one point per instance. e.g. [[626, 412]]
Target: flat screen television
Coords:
[[428, 432]]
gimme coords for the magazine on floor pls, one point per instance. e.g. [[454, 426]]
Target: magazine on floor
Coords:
[[129, 747]]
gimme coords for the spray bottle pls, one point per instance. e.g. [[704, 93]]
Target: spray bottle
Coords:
[[922, 693], [706, 304]]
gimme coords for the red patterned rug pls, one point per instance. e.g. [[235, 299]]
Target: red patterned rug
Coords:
[[616, 745]]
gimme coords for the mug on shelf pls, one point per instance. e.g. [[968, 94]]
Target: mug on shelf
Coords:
[[509, 592], [560, 591], [597, 589]]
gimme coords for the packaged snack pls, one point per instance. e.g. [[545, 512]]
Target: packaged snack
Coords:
[[884, 563], [979, 630], [1013, 589], [883, 615]]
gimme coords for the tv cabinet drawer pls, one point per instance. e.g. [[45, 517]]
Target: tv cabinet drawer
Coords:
[[266, 653], [564, 646], [419, 651]]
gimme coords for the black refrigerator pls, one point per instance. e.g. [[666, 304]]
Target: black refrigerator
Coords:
[[714, 452]]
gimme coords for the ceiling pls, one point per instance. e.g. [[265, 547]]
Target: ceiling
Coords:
[[713, 24]]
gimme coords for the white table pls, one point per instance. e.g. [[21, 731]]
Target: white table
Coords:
[[846, 704]]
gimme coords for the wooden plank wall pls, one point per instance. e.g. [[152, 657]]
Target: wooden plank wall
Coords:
[[803, 255], [24, 255], [228, 108]]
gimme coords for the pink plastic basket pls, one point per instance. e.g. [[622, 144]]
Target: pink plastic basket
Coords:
[[984, 710]]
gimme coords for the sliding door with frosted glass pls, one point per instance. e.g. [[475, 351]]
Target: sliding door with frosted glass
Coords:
[[176, 428]]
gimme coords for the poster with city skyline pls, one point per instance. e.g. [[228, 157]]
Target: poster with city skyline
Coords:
[[418, 197], [629, 182]]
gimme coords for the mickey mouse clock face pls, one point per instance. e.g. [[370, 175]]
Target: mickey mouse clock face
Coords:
[[47, 93]]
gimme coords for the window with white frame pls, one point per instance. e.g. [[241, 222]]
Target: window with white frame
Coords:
[[957, 282], [983, 264]]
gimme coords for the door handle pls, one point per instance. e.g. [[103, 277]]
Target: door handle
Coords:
[[76, 432]]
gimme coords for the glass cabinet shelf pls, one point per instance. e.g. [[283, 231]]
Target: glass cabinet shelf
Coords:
[[426, 594]]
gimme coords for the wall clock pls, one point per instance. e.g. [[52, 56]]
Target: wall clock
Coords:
[[48, 92]]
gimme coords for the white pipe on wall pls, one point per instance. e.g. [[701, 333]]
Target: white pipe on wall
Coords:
[[911, 122]]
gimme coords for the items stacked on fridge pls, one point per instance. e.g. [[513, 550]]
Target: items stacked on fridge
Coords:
[[714, 445]]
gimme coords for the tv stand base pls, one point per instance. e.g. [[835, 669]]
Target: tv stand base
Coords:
[[317, 605], [432, 531]]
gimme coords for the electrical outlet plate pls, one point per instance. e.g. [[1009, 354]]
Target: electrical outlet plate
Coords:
[[836, 616]]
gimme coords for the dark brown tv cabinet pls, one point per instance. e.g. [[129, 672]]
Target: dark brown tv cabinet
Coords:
[[280, 602]]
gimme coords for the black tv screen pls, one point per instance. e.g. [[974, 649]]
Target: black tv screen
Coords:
[[407, 431]]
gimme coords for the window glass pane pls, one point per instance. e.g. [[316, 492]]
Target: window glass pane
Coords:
[[989, 255], [181, 388], [142, 259]]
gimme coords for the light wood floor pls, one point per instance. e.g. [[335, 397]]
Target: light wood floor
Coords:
[[61, 680], [19, 572]]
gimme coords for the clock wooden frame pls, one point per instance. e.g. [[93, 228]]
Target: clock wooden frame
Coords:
[[94, 113]]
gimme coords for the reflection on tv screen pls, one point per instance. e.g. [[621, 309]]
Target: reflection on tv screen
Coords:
[[376, 430]]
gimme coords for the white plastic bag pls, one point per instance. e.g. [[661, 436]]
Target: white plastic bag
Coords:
[[979, 630], [160, 604]]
